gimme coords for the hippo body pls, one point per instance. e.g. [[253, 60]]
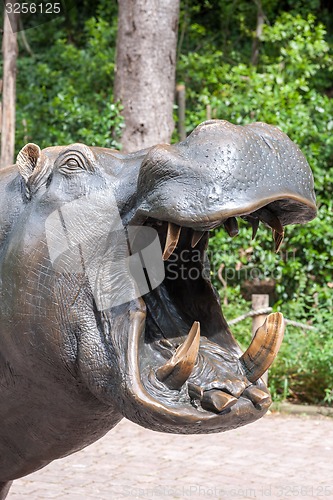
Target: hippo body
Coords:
[[83, 343]]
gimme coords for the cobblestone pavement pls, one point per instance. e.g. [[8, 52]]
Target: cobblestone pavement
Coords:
[[276, 457]]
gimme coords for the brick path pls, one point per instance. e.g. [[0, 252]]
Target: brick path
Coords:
[[277, 457]]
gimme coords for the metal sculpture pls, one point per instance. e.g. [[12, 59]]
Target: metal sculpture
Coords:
[[101, 317]]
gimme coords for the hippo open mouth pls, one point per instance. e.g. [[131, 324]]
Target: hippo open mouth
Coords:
[[186, 373], [190, 344]]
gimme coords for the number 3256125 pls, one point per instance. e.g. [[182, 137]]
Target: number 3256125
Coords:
[[33, 8]]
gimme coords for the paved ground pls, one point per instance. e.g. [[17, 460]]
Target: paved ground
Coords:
[[277, 457]]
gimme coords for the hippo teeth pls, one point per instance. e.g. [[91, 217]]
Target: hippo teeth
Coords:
[[254, 221], [196, 237], [257, 396], [231, 226], [214, 400], [268, 218], [278, 239], [171, 241], [178, 368], [264, 347], [217, 401]]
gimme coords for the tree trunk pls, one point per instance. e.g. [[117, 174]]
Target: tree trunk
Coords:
[[258, 34], [9, 52], [145, 70]]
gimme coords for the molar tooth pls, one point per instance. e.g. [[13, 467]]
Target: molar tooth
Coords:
[[196, 237], [264, 347], [171, 241], [258, 397], [278, 239], [255, 225], [266, 216], [254, 222], [177, 370], [217, 401], [231, 226]]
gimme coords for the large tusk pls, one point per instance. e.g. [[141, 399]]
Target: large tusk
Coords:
[[171, 240], [264, 347], [177, 370]]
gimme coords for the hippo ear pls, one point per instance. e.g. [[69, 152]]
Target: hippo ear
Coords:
[[27, 160], [34, 167]]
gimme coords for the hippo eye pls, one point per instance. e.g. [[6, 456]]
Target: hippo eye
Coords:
[[72, 165]]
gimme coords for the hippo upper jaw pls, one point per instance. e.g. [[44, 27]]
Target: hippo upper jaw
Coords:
[[224, 170]]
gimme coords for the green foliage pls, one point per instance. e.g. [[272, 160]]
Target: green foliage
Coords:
[[65, 93]]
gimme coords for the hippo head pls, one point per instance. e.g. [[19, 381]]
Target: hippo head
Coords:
[[115, 257]]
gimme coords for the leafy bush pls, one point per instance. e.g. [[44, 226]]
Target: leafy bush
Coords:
[[65, 93]]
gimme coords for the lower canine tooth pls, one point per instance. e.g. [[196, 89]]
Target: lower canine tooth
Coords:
[[177, 370], [264, 347], [171, 241], [217, 401]]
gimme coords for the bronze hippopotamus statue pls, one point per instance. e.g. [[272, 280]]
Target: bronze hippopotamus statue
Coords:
[[107, 309]]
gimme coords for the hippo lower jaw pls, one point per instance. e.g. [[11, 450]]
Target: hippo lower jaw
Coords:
[[185, 372]]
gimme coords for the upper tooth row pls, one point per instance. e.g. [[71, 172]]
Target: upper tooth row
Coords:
[[231, 226]]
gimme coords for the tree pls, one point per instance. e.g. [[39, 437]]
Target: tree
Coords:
[[145, 70], [9, 51], [258, 34]]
